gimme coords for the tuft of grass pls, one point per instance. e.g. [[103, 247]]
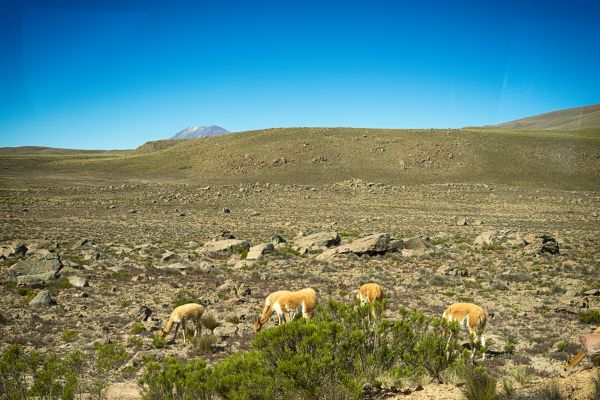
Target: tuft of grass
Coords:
[[184, 297], [521, 374], [138, 328], [159, 342], [479, 385], [204, 343], [589, 317], [68, 335], [209, 321]]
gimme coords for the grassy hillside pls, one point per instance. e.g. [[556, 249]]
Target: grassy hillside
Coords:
[[40, 150], [573, 118], [323, 155]]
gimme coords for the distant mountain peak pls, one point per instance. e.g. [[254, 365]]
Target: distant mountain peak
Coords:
[[200, 132]]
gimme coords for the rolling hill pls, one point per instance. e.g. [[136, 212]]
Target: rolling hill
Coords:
[[561, 159], [587, 117]]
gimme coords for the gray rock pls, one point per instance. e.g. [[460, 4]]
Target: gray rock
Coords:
[[78, 281], [316, 242], [36, 265], [43, 298], [487, 238], [417, 243], [36, 280], [541, 244], [226, 330], [592, 292], [258, 252], [277, 239], [226, 245], [373, 244]]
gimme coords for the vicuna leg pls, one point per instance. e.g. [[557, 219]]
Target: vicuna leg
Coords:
[[176, 329]]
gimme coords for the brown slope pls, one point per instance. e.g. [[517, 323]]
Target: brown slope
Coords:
[[587, 117]]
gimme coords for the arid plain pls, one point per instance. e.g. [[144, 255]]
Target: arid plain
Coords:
[[465, 215]]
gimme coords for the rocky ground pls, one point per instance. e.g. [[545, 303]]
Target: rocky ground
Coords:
[[115, 258]]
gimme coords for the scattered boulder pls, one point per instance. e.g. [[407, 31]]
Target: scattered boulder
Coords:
[[36, 280], [226, 330], [373, 244], [43, 298], [277, 239], [417, 243], [217, 246], [233, 289], [78, 281], [316, 242], [168, 256], [487, 238], [541, 244], [16, 250], [461, 222], [179, 267], [144, 312], [258, 252], [36, 265]]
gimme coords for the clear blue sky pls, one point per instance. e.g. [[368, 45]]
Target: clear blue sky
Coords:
[[114, 74]]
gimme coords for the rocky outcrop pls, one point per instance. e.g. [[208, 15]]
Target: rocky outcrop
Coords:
[[36, 271], [316, 243], [541, 244], [225, 245], [43, 298], [258, 252], [378, 243]]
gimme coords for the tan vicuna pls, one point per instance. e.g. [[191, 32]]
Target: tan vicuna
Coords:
[[286, 305], [180, 315], [370, 293], [591, 344], [470, 317]]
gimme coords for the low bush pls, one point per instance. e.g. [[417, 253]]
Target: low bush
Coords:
[[172, 379], [31, 375], [330, 357]]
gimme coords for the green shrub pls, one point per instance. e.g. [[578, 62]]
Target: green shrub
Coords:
[[57, 378], [110, 356], [138, 328], [15, 366], [173, 379], [29, 375], [479, 385], [245, 376], [589, 317], [159, 342], [68, 335], [316, 357]]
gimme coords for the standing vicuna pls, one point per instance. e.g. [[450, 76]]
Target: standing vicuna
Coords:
[[370, 293], [180, 315], [471, 317], [287, 304]]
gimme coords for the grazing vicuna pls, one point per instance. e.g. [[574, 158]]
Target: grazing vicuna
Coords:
[[370, 293], [180, 315], [470, 317], [287, 304]]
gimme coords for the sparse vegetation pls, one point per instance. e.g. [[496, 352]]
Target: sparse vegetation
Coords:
[[589, 317], [209, 321]]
